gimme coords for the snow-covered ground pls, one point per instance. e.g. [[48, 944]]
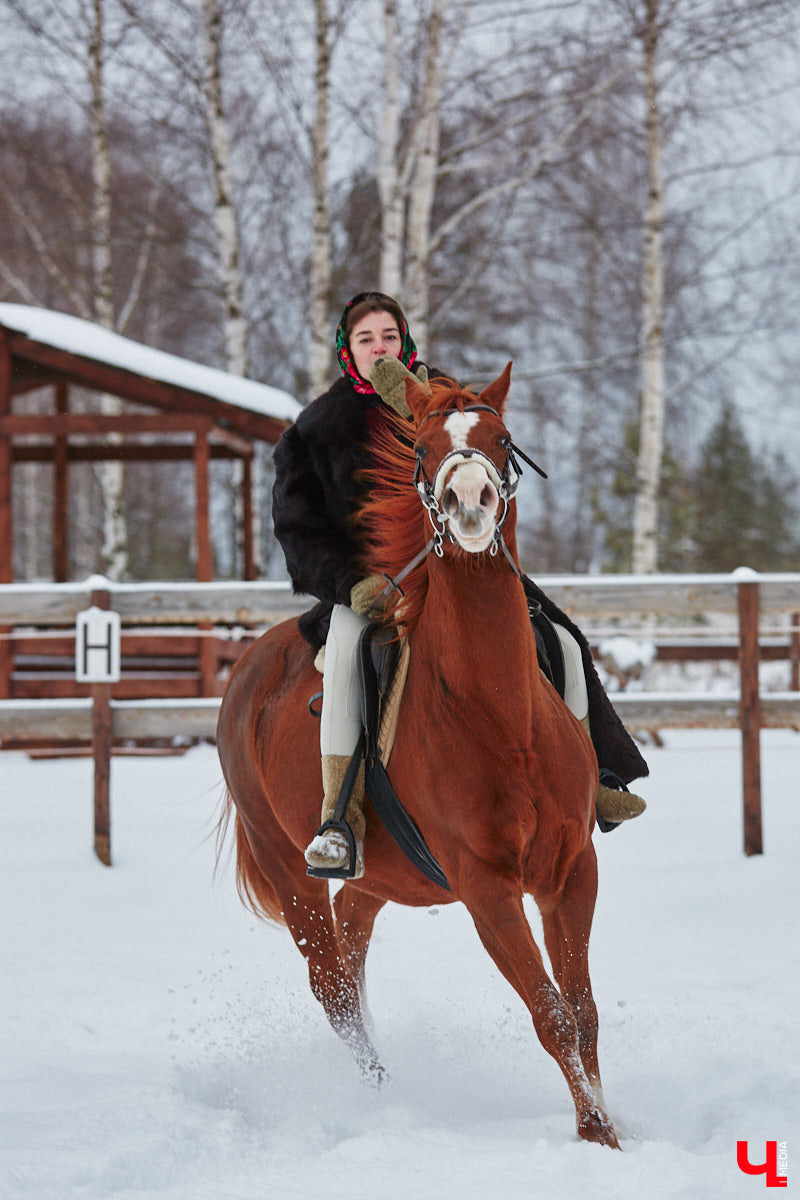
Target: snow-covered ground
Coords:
[[161, 1042]]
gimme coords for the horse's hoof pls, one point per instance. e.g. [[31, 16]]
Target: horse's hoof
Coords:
[[596, 1127], [374, 1073]]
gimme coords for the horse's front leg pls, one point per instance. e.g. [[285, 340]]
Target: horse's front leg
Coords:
[[567, 924], [495, 904], [355, 913]]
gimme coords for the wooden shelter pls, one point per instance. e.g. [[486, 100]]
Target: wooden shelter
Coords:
[[223, 415]]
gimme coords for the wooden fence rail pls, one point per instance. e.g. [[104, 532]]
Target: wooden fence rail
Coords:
[[745, 597]]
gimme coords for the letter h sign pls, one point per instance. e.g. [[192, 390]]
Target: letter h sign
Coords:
[[97, 646]]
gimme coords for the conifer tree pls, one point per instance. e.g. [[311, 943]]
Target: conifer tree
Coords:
[[745, 512]]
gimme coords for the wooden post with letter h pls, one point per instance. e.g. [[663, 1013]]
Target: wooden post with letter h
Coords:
[[97, 662]]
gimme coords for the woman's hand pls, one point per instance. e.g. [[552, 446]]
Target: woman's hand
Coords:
[[364, 593], [388, 376]]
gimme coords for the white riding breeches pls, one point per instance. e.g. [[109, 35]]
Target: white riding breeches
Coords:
[[576, 697], [340, 724]]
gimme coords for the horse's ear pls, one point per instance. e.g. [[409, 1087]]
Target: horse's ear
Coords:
[[496, 394], [418, 396]]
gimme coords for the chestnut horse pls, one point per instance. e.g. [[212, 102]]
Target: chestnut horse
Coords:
[[498, 775]]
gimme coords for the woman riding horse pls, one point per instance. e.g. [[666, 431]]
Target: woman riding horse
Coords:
[[494, 771], [321, 468]]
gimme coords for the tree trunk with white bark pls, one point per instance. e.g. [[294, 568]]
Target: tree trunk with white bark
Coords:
[[651, 434], [321, 248], [225, 220], [423, 184], [390, 190], [111, 474], [226, 227]]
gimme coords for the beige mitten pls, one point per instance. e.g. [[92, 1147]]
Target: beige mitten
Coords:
[[388, 376], [363, 593]]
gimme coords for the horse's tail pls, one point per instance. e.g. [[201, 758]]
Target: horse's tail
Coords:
[[255, 890]]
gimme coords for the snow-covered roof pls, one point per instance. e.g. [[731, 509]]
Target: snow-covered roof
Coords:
[[76, 336]]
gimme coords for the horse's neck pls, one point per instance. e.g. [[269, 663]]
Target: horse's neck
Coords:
[[476, 627]]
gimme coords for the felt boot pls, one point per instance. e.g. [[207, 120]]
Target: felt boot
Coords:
[[337, 850], [614, 802]]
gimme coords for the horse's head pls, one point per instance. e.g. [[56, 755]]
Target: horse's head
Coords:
[[466, 473], [463, 465]]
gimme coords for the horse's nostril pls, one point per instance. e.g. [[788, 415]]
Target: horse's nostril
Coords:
[[488, 496], [450, 502]]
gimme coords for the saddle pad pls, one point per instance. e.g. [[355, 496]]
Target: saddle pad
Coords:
[[391, 703]]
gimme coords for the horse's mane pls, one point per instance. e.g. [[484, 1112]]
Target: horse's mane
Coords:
[[394, 521]]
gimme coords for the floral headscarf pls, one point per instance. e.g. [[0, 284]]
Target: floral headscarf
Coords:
[[408, 352]]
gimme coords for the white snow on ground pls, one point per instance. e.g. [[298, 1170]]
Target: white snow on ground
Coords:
[[160, 1042]]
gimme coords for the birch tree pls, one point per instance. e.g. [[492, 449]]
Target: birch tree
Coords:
[[320, 282], [73, 42], [422, 186], [651, 422], [390, 188], [224, 214], [505, 145], [80, 35], [722, 36], [406, 176], [111, 472]]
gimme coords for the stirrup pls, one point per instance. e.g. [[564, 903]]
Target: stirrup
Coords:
[[346, 872]]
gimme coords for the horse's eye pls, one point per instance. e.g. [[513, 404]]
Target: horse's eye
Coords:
[[421, 451], [504, 441]]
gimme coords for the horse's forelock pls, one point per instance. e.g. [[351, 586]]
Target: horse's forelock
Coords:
[[445, 395]]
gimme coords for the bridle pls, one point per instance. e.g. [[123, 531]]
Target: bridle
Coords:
[[506, 483], [431, 492]]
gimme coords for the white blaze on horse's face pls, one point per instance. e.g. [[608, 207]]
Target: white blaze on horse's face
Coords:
[[469, 489], [458, 425]]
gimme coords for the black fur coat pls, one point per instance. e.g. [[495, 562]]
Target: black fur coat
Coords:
[[318, 466], [318, 487]]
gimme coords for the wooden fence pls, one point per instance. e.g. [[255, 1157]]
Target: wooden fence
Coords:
[[221, 618]]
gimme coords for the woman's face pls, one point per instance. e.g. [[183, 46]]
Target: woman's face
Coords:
[[375, 336]]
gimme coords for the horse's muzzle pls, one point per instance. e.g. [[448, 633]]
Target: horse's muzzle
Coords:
[[470, 502]]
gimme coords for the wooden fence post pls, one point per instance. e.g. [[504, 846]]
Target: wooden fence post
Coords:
[[750, 713], [101, 751]]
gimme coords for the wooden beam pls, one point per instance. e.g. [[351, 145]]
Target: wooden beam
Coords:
[[204, 566], [148, 605], [6, 524], [6, 512], [48, 720], [247, 521], [104, 377], [27, 377], [126, 452], [61, 492], [58, 686], [101, 751], [67, 424], [750, 716]]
